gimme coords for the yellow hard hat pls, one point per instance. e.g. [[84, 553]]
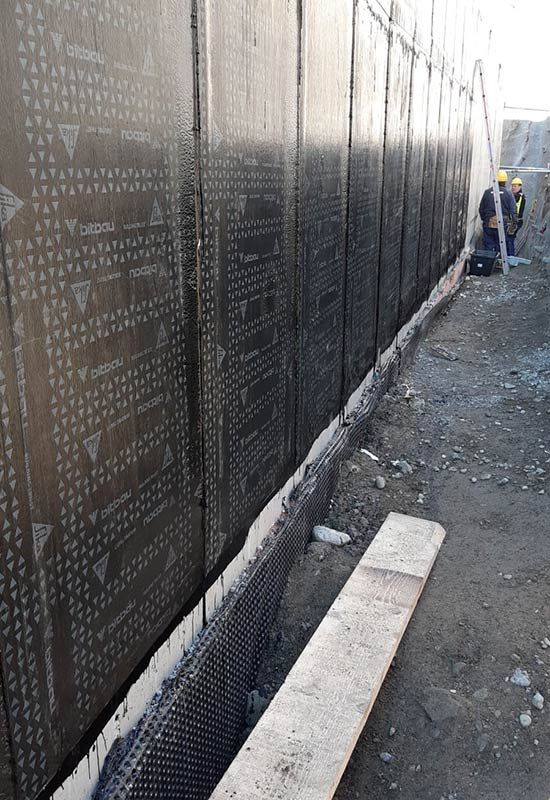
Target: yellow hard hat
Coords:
[[502, 176], [517, 182]]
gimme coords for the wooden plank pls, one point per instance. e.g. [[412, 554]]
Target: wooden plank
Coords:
[[300, 747]]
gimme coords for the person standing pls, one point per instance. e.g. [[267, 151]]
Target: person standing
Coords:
[[519, 198], [487, 212]]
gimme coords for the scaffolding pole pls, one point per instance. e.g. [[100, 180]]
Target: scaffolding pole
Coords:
[[544, 170]]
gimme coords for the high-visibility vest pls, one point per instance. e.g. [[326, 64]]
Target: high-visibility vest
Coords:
[[519, 202]]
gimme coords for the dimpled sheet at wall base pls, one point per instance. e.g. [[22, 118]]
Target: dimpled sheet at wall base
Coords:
[[101, 542], [248, 67]]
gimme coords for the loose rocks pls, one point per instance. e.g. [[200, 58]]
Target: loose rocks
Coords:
[[380, 482], [323, 534], [440, 705], [538, 701], [525, 720], [520, 678], [482, 742], [256, 705]]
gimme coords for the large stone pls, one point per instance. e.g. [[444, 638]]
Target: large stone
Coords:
[[440, 705], [330, 536], [255, 707], [520, 677]]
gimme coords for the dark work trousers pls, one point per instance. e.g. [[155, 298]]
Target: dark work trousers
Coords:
[[490, 239], [491, 242]]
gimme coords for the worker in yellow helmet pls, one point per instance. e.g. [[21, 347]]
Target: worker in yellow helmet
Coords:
[[519, 197], [487, 212]]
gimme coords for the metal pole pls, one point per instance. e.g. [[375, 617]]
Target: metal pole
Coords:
[[494, 179], [529, 169], [528, 108]]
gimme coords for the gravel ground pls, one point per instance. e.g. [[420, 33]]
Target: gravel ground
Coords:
[[472, 418]]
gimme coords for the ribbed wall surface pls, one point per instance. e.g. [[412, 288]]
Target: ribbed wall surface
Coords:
[[215, 215]]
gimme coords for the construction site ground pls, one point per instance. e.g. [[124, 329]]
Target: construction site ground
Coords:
[[471, 417]]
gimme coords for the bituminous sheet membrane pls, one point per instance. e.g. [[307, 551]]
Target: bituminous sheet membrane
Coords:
[[213, 219], [100, 452]]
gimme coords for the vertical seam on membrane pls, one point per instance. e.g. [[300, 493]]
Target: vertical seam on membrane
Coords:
[[381, 203], [423, 184], [199, 216], [4, 717], [298, 311], [438, 144], [343, 385], [406, 195], [441, 270], [404, 192]]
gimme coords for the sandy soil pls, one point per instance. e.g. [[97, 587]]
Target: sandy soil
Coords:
[[476, 431]]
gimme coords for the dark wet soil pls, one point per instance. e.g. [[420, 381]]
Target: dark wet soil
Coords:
[[476, 430]]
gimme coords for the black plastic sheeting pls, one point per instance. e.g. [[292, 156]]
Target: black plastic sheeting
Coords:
[[214, 217]]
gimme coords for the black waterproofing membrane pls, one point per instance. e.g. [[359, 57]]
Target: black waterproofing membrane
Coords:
[[395, 158], [365, 192], [248, 71], [214, 216], [181, 750], [441, 189], [414, 175], [101, 537], [324, 136]]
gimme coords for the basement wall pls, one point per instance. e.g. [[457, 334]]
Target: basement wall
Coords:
[[218, 220]]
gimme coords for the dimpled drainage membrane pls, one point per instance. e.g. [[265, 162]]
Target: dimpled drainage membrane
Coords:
[[182, 748]]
